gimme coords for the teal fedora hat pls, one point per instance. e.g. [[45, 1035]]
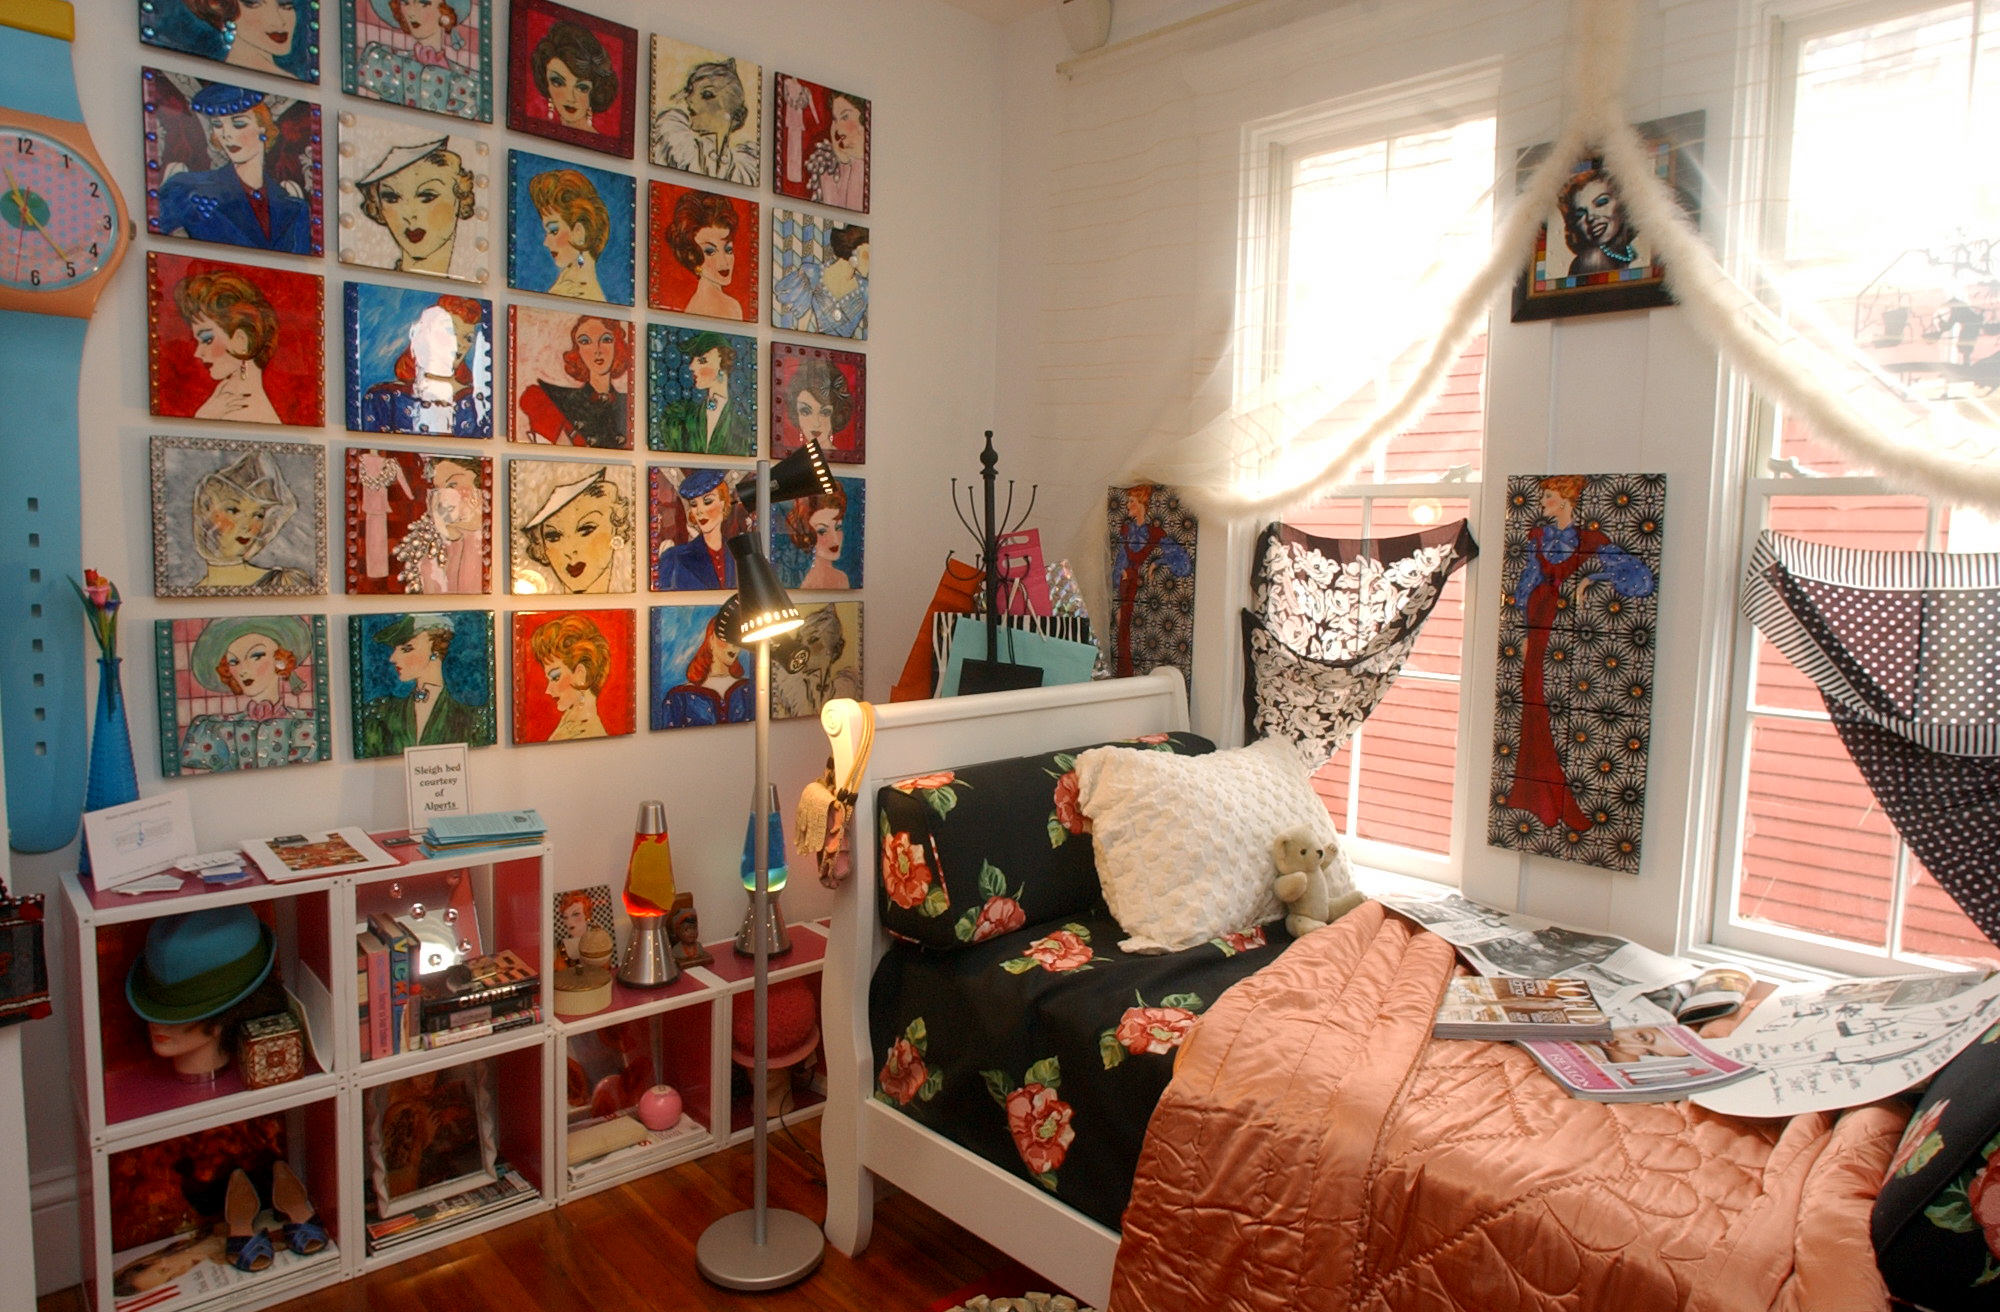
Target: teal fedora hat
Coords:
[[200, 964]]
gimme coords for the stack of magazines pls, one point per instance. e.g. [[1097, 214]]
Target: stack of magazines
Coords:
[[457, 833], [1505, 1009], [428, 1219]]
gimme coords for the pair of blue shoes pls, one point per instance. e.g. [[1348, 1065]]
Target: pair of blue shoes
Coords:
[[249, 1248]]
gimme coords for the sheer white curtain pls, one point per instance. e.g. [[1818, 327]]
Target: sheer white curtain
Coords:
[[1165, 299]]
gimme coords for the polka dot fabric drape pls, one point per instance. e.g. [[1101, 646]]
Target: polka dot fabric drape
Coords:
[[1905, 648]]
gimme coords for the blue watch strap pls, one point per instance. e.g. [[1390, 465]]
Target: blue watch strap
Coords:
[[41, 550], [39, 76]]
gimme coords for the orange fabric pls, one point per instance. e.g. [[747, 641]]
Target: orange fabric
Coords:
[[955, 593], [1317, 1151]]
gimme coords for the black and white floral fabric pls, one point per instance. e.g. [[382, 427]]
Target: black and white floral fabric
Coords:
[[1905, 648], [1330, 622]]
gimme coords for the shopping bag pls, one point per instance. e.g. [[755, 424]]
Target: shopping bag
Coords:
[[1058, 659]]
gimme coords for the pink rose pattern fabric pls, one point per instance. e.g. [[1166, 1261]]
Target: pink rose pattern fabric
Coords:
[[1149, 1031], [1038, 1120]]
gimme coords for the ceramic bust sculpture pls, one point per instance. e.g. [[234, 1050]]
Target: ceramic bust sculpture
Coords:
[[194, 969]]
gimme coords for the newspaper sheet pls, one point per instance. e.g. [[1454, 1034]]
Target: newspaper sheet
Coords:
[[1494, 943], [1819, 1047]]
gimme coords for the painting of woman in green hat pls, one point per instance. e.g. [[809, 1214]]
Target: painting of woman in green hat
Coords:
[[423, 679], [243, 693]]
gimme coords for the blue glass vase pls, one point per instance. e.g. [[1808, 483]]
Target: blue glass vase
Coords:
[[113, 778]]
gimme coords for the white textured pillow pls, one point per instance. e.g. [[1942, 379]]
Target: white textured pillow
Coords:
[[1184, 842]]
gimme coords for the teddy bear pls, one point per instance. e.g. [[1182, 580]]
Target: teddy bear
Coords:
[[1314, 880]]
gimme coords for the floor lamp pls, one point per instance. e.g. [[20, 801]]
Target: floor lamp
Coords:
[[762, 1248]]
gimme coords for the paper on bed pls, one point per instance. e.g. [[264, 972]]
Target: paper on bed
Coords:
[[1821, 1047]]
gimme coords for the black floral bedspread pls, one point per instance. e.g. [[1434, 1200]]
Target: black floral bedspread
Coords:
[[1045, 1050]]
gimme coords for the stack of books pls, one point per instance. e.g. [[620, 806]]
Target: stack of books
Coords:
[[450, 834], [404, 1012]]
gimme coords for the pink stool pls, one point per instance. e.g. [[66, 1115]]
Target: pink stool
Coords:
[[791, 1036]]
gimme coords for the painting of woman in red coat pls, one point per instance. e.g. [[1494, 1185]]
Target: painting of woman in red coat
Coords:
[[1146, 554], [1567, 559]]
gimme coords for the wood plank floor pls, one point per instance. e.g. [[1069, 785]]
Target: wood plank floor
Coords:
[[633, 1247]]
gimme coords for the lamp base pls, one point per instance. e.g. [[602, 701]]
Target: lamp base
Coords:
[[648, 964], [729, 1255], [777, 939]]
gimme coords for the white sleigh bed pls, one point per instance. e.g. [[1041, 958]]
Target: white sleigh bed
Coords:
[[866, 1140]]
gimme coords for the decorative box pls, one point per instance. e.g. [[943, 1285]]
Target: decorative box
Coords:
[[24, 967], [270, 1050]]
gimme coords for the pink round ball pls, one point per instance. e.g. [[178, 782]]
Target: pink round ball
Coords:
[[659, 1107]]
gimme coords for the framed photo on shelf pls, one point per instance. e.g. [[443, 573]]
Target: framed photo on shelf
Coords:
[[421, 54], [572, 77], [419, 679], [701, 252], [570, 229], [577, 911], [816, 542], [569, 378], [429, 1136], [418, 363], [211, 145], [242, 692], [418, 522], [413, 198], [237, 342], [573, 675], [1590, 257], [282, 42], [819, 275], [698, 677], [692, 511], [821, 393], [819, 144], [572, 527], [701, 389], [707, 113], [236, 518]]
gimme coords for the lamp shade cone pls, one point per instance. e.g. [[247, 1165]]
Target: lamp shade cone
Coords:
[[803, 473], [763, 610]]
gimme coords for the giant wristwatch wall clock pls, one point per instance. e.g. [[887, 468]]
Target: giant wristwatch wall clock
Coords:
[[63, 231]]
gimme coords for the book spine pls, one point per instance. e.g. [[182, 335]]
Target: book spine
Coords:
[[379, 992], [402, 1022], [450, 1013], [514, 1021], [366, 1025]]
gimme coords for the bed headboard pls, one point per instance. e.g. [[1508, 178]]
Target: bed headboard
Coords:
[[915, 737]]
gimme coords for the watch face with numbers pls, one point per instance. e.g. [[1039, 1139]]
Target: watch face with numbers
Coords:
[[58, 215]]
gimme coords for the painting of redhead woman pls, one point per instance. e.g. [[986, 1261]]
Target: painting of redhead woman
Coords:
[[231, 164], [701, 252], [433, 55], [574, 676], [816, 540], [572, 77], [418, 363], [1574, 698], [245, 692], [236, 342], [238, 519], [569, 373], [699, 677], [274, 37], [570, 229]]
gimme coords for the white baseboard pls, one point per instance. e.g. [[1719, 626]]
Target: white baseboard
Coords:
[[52, 1202]]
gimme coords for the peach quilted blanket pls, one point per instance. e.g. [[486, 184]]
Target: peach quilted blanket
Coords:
[[1317, 1150]]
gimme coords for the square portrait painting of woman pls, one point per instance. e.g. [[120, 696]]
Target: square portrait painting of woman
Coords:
[[819, 275], [232, 165], [274, 37], [419, 679], [702, 389], [692, 514], [572, 77], [699, 677], [822, 394], [708, 112], [818, 661], [816, 540], [701, 253], [235, 341], [573, 675], [238, 519], [413, 199], [571, 526], [435, 55], [246, 692], [820, 144], [569, 375], [418, 522], [418, 363], [570, 229]]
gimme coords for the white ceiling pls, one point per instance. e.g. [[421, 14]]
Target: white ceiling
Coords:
[[1000, 11]]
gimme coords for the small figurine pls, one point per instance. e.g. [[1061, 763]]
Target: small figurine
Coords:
[[685, 928]]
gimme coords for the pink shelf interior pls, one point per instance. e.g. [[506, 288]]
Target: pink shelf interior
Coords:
[[733, 966], [148, 1088]]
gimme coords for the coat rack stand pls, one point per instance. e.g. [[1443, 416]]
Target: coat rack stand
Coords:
[[987, 529]]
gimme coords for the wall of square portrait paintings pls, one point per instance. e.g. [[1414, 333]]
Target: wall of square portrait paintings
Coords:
[[401, 305]]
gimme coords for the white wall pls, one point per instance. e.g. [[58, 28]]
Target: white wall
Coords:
[[934, 74], [1630, 392]]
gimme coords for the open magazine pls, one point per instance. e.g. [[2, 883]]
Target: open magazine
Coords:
[[1711, 995], [1644, 1063]]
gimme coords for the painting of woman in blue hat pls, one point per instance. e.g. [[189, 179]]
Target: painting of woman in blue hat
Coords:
[[232, 165], [707, 503], [262, 668]]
